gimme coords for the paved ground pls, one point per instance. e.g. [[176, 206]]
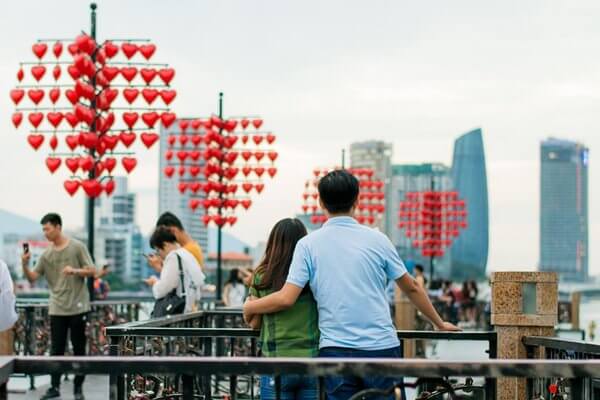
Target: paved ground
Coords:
[[94, 388]]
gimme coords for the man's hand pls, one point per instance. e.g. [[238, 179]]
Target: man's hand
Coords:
[[151, 281], [25, 258], [68, 270], [247, 316], [448, 327], [155, 262]]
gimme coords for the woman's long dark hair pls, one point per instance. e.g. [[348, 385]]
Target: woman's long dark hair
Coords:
[[275, 264]]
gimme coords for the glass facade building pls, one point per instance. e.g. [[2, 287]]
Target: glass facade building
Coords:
[[564, 209], [470, 250]]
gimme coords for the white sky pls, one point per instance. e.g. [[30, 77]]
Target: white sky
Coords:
[[324, 74]]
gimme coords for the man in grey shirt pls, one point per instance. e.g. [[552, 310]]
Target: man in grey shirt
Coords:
[[65, 264]]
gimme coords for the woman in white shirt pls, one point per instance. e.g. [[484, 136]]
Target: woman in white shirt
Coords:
[[165, 244], [8, 315]]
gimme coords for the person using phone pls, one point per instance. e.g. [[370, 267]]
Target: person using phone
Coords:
[[65, 264]]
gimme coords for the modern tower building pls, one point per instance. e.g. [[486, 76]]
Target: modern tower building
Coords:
[[470, 249], [170, 199], [564, 209]]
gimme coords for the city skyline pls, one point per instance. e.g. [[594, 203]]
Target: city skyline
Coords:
[[355, 85]]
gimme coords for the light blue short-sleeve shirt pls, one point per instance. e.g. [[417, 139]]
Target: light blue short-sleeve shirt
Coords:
[[348, 266]]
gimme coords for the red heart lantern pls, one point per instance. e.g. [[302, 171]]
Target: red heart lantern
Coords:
[[247, 187], [72, 141], [53, 142], [72, 96], [245, 122], [17, 118], [109, 188], [272, 155], [127, 138], [72, 164], [130, 95], [257, 123], [35, 141], [20, 74], [147, 50], [57, 49], [129, 49], [150, 95], [259, 187], [129, 163], [110, 72], [17, 95], [149, 139], [39, 49], [270, 138], [259, 155], [53, 164], [56, 72], [272, 171], [129, 73], [38, 72], [168, 96], [92, 187], [150, 118], [36, 119], [257, 139], [169, 171], [193, 204], [148, 75], [130, 118], [54, 95], [71, 119], [246, 155], [55, 118], [167, 75], [110, 49], [35, 95], [110, 164], [246, 171], [71, 187], [246, 203], [182, 187], [259, 171], [167, 119]]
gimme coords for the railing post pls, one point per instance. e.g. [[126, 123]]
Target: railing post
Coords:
[[405, 320], [523, 304]]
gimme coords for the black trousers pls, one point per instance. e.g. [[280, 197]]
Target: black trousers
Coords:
[[59, 326]]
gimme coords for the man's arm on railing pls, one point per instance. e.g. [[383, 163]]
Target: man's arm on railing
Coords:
[[277, 301], [420, 299]]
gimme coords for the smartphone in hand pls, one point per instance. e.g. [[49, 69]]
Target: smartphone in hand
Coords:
[[25, 248]]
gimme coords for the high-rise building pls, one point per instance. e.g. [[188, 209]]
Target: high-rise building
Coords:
[[416, 178], [470, 249], [564, 209], [171, 199], [376, 155], [118, 241]]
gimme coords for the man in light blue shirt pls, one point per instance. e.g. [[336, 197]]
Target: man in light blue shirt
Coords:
[[347, 266]]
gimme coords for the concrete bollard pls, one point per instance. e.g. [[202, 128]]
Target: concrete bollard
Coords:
[[523, 304]]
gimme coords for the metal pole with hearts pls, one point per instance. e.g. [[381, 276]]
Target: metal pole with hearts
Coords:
[[432, 220], [220, 162], [82, 104], [370, 208]]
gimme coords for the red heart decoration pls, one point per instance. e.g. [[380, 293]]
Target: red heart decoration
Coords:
[[206, 219], [150, 118], [171, 140], [182, 187], [181, 170], [53, 163], [72, 96], [35, 95], [71, 187], [111, 95], [149, 139], [183, 124], [195, 155], [167, 119], [232, 220], [17, 118], [84, 90], [272, 171], [72, 141], [270, 138], [230, 125], [109, 188], [56, 72], [110, 164], [259, 171], [257, 139], [246, 155], [272, 155], [149, 95], [53, 142], [230, 157], [74, 72], [129, 163], [39, 49], [148, 75], [245, 139], [246, 171], [110, 141], [257, 123], [259, 187], [73, 49], [245, 122], [85, 43], [72, 164], [55, 118], [57, 49], [92, 187], [20, 74], [196, 124], [36, 119], [247, 187], [71, 119], [110, 72], [246, 203], [84, 114], [231, 173], [17, 95], [110, 49], [193, 204], [35, 140], [169, 171], [195, 171], [54, 95], [38, 72], [232, 188], [183, 139], [130, 118], [88, 139], [129, 49], [127, 138], [147, 50], [129, 73], [182, 155], [259, 155], [196, 140], [130, 94], [167, 75]]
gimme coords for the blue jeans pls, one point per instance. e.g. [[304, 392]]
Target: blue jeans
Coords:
[[344, 387], [293, 387]]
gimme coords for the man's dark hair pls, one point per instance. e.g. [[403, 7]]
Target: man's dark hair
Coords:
[[419, 268], [161, 235], [169, 219], [338, 191], [51, 218]]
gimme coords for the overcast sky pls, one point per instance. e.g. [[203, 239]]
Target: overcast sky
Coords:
[[326, 73]]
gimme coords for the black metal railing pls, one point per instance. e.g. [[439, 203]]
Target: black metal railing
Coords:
[[184, 370], [549, 348]]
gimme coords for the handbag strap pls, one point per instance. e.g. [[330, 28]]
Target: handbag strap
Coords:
[[180, 275]]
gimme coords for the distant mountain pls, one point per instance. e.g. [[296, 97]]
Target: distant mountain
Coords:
[[230, 242], [16, 224]]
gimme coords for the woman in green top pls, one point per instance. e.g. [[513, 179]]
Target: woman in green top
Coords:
[[290, 333]]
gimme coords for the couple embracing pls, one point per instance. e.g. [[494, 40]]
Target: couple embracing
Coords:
[[323, 294]]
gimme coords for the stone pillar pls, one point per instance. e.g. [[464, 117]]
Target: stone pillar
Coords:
[[405, 317], [575, 302], [523, 304]]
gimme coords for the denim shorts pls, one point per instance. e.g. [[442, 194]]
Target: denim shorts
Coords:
[[293, 387]]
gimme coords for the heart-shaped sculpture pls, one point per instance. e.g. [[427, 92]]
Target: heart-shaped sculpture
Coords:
[[35, 140], [129, 49], [71, 187], [36, 119], [149, 139], [39, 49], [129, 163], [17, 95], [167, 75], [17, 118], [130, 94], [38, 72], [149, 95], [147, 50], [129, 73], [35, 95], [130, 118], [127, 138], [53, 163]]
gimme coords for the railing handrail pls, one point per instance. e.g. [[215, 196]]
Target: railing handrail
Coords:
[[578, 346], [43, 303], [362, 367]]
